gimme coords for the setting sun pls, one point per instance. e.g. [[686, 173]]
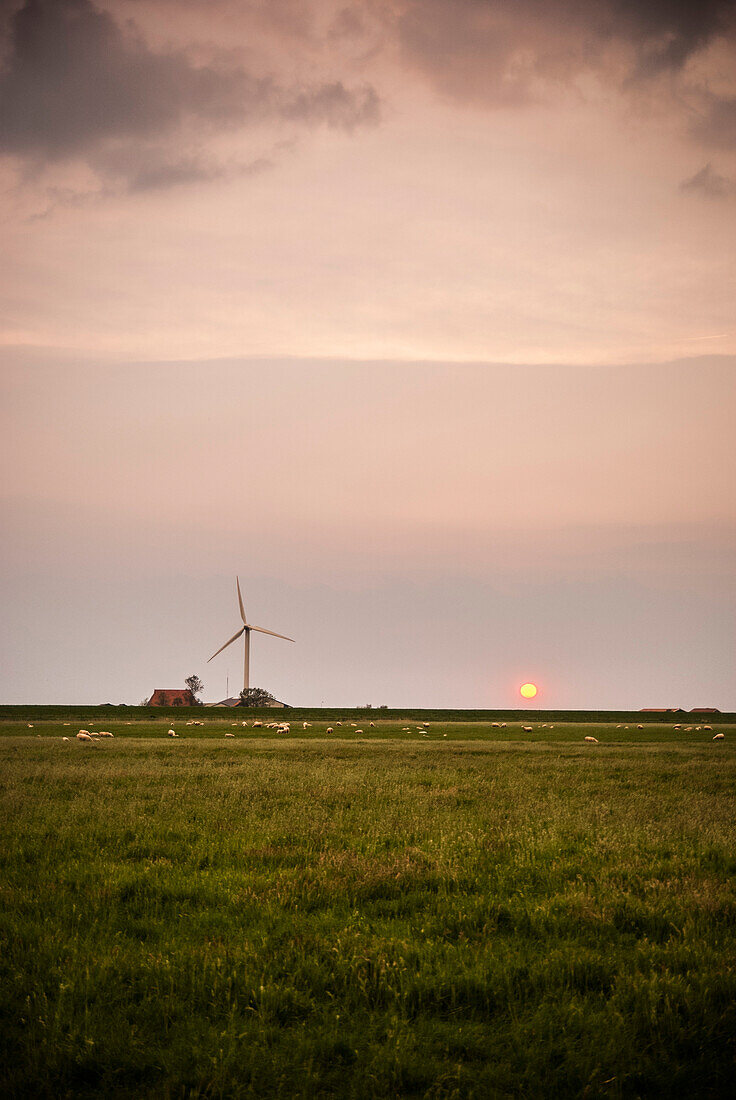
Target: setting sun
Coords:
[[528, 690]]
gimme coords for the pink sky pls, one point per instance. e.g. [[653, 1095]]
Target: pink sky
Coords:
[[419, 315]]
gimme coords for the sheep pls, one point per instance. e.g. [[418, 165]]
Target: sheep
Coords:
[[83, 731], [69, 723], [65, 738], [708, 728], [358, 731], [373, 725], [305, 725], [352, 724], [173, 733], [718, 737], [329, 730], [257, 724], [678, 727], [83, 736], [105, 733], [496, 725], [640, 727], [592, 740], [229, 734], [30, 725], [338, 723], [528, 729]]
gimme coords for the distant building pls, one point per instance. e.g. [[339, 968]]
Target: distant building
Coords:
[[172, 697], [705, 710], [662, 710], [235, 702]]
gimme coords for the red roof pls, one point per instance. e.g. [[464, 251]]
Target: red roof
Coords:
[[172, 697]]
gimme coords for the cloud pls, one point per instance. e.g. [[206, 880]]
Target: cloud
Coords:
[[77, 84], [499, 53], [717, 125], [711, 184]]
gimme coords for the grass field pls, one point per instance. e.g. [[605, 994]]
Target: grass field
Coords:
[[487, 913]]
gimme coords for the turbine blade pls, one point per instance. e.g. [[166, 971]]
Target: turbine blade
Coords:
[[240, 601], [233, 639], [262, 630]]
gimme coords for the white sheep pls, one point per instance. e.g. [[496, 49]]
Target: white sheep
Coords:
[[358, 731], [708, 728], [718, 737], [65, 738], [640, 727], [105, 733], [528, 729], [30, 725], [329, 729], [173, 733], [373, 725], [257, 724], [83, 736], [84, 731], [592, 740], [229, 734], [338, 723]]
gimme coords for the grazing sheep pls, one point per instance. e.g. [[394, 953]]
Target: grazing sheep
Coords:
[[352, 723], [229, 734], [592, 740], [173, 733], [329, 730], [707, 727], [496, 725], [83, 736], [677, 727], [257, 724], [338, 723], [65, 739], [83, 731], [640, 727], [373, 725], [105, 733], [528, 729], [718, 737], [358, 731], [30, 725]]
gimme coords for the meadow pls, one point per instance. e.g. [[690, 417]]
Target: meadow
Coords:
[[467, 912]]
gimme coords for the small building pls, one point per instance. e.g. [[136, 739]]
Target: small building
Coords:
[[172, 697], [662, 710], [705, 710]]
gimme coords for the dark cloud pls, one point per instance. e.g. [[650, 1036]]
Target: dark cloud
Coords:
[[497, 52], [74, 81], [716, 126], [710, 184]]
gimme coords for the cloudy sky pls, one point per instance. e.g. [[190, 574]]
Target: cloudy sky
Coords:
[[417, 314]]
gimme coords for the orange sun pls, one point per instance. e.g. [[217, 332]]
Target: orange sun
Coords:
[[528, 690]]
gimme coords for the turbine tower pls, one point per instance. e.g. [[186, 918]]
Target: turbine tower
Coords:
[[246, 629]]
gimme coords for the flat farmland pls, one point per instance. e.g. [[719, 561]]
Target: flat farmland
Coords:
[[469, 911]]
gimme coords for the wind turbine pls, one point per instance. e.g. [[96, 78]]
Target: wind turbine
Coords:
[[246, 629]]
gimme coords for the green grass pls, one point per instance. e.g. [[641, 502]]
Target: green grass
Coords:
[[468, 916]]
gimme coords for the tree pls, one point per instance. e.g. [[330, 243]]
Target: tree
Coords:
[[194, 684], [256, 697]]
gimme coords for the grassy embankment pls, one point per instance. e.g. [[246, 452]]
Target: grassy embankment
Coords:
[[420, 917]]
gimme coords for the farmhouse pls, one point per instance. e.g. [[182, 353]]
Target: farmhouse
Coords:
[[172, 697]]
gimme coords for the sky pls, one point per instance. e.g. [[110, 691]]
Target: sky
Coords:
[[417, 315]]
